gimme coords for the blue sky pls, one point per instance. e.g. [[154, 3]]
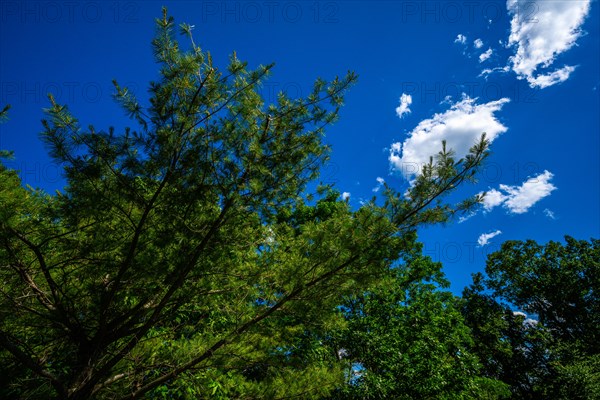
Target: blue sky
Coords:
[[527, 72]]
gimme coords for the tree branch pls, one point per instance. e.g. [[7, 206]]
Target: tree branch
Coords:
[[208, 353], [31, 364]]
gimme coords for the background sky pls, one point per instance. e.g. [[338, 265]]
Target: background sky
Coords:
[[526, 72]]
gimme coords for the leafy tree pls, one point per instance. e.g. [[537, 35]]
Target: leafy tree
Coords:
[[559, 284], [510, 349], [185, 258], [407, 340], [553, 354]]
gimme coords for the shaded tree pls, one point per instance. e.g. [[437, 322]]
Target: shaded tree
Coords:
[[510, 349], [554, 353]]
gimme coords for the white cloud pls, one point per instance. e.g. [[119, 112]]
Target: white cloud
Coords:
[[460, 126], [527, 322], [380, 182], [345, 196], [549, 213], [270, 237], [519, 199], [493, 198], [478, 43], [530, 322], [466, 217], [558, 76], [486, 55], [484, 238], [540, 31], [403, 108], [462, 39], [489, 71]]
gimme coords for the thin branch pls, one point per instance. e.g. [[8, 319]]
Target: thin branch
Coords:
[[176, 285], [27, 361], [208, 353], [42, 262], [457, 179], [233, 96]]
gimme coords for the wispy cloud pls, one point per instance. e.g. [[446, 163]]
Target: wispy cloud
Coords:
[[527, 322], [484, 238], [486, 55], [403, 108], [519, 199], [467, 217], [380, 182], [462, 39], [460, 126], [558, 76], [489, 71], [540, 31], [549, 213], [478, 43]]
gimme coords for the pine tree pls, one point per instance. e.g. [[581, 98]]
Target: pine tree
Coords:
[[185, 257]]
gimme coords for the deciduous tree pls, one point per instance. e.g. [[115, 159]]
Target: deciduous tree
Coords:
[[407, 340], [554, 353]]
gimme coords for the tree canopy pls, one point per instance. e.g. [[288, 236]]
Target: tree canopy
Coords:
[[196, 254], [186, 256], [535, 318], [408, 340]]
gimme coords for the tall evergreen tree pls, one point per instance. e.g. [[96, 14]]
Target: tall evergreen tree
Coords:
[[184, 258]]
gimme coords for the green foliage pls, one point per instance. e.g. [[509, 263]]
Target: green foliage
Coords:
[[510, 350], [558, 283], [578, 379], [407, 340], [554, 354], [184, 258]]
